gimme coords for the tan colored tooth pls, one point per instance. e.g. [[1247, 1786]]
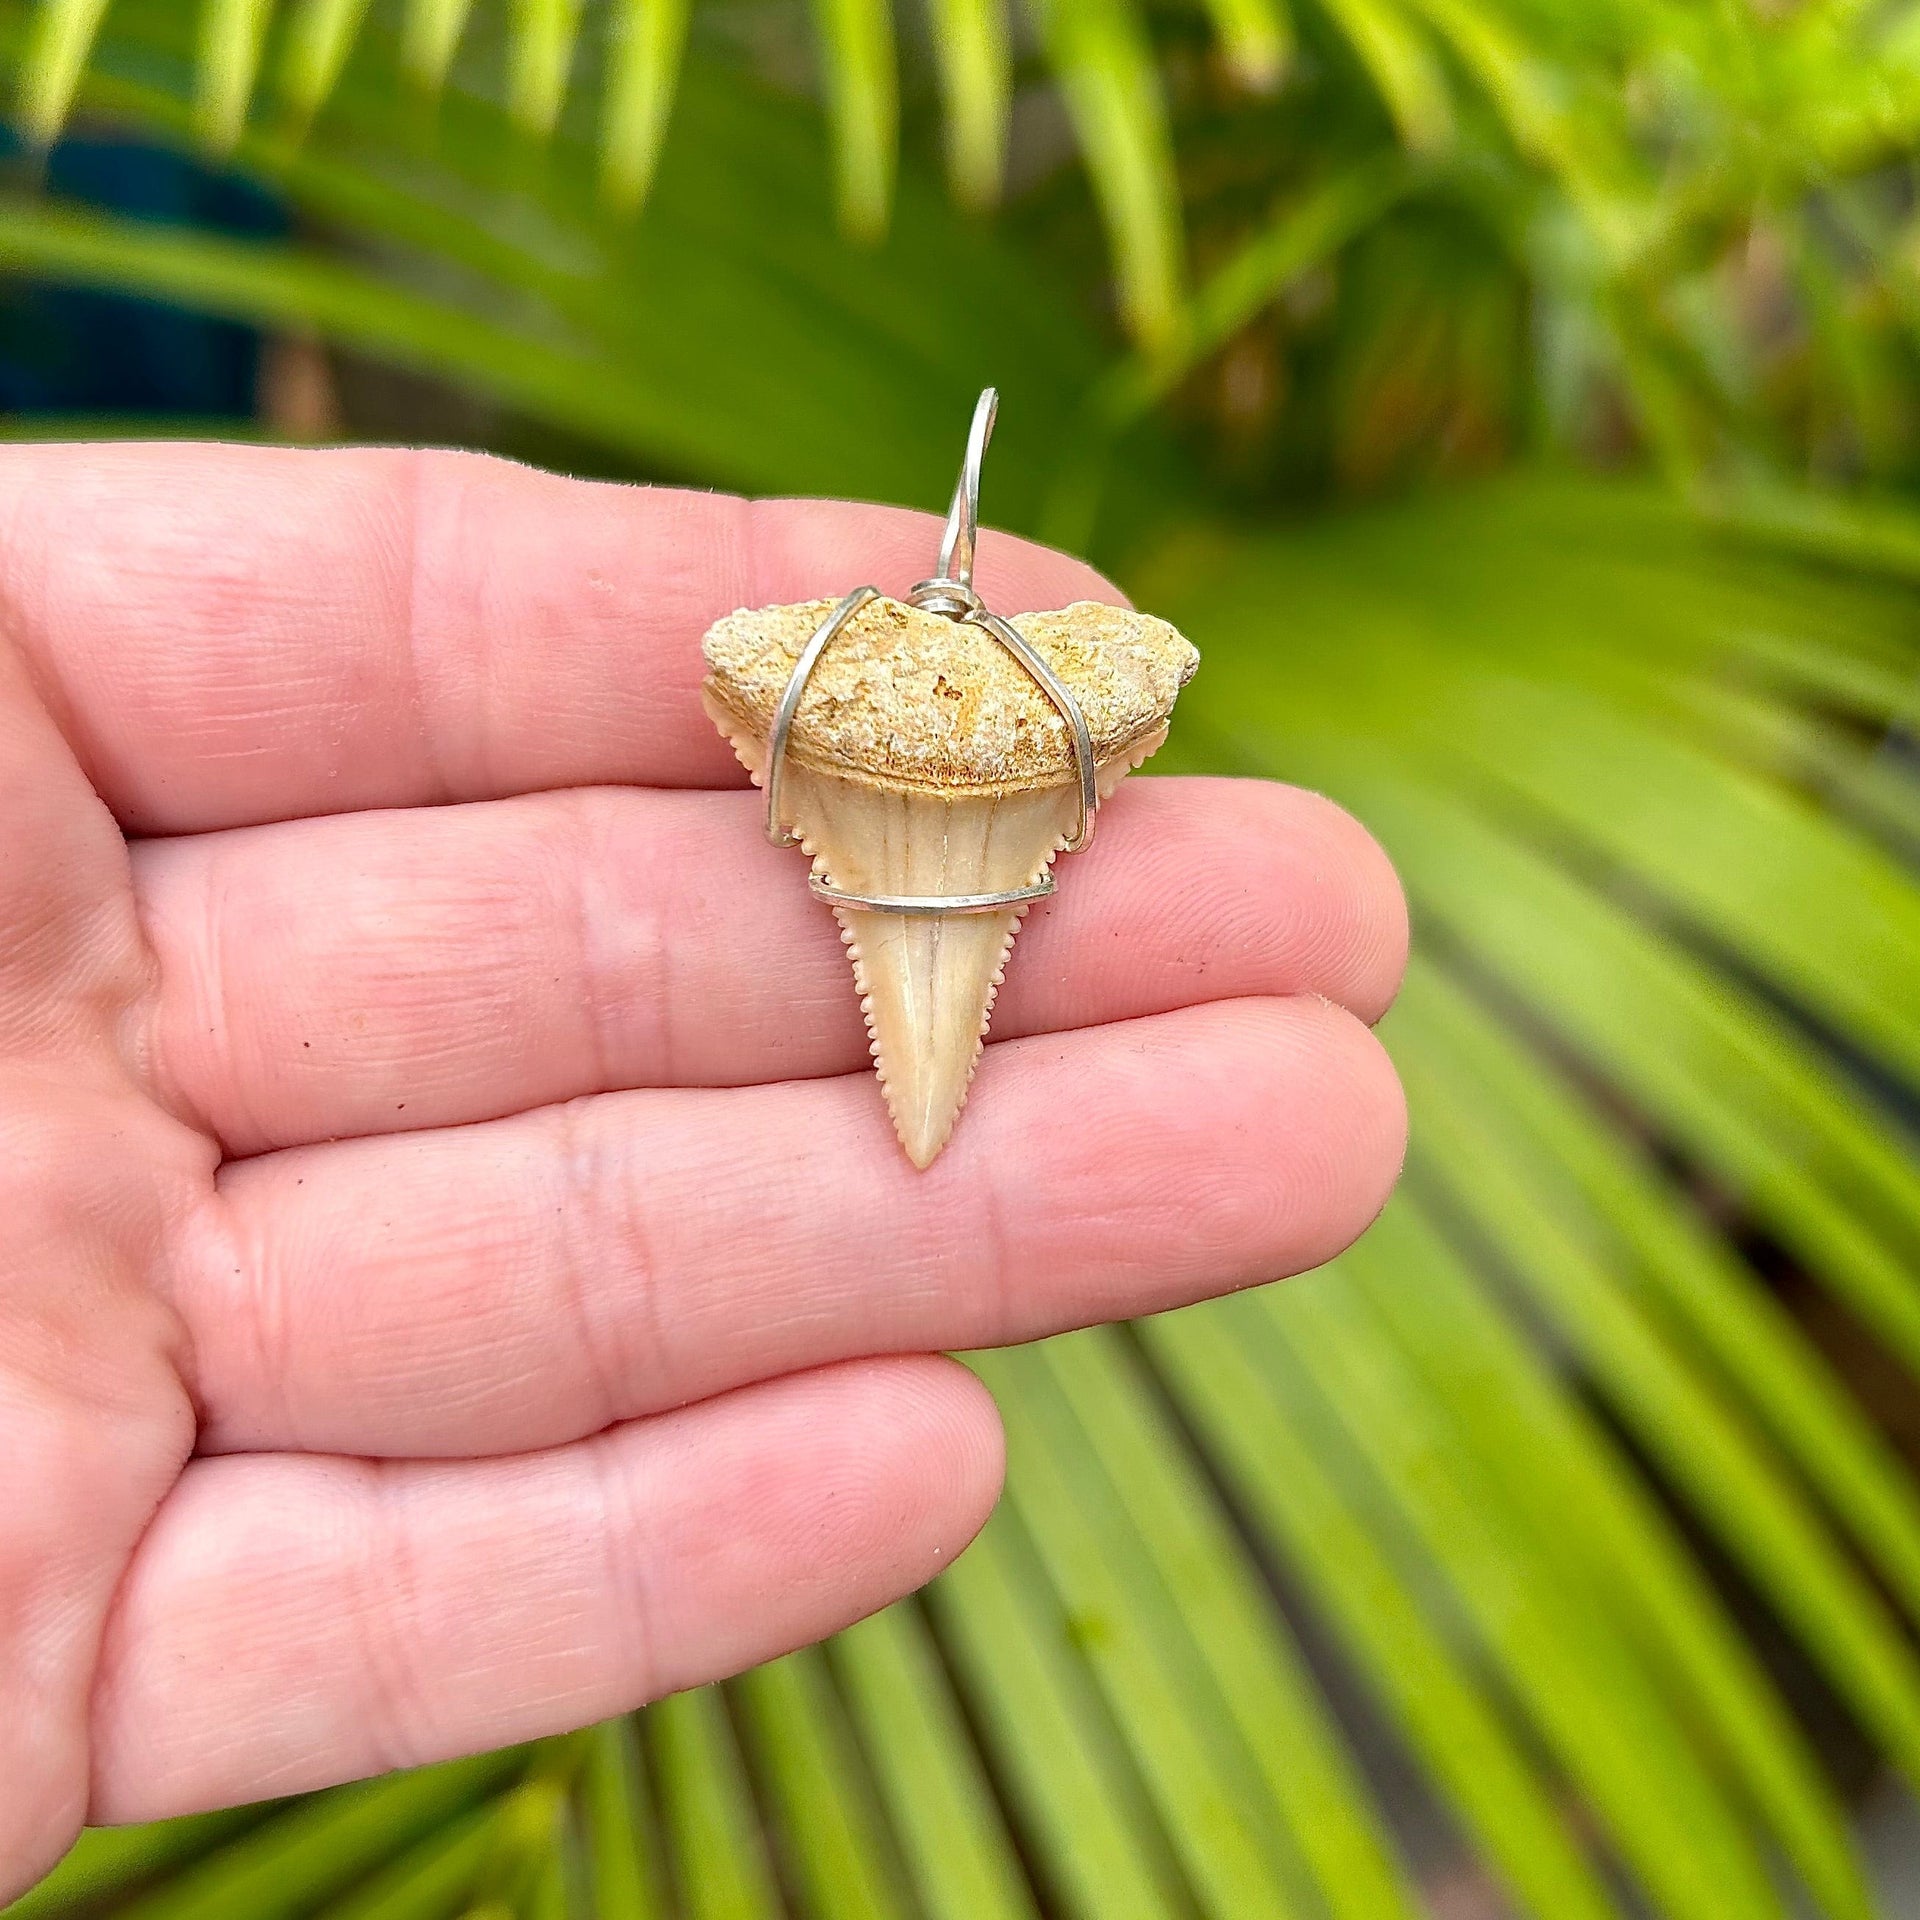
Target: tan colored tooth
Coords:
[[924, 760]]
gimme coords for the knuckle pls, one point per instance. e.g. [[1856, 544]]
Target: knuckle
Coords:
[[614, 1328]]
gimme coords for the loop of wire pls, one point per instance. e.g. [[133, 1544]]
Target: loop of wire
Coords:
[[948, 592]]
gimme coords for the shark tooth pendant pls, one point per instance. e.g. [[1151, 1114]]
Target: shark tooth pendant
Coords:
[[934, 758]]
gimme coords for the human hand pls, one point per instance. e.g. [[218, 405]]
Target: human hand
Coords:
[[457, 1276]]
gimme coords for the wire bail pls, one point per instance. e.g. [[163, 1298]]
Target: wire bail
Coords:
[[948, 592]]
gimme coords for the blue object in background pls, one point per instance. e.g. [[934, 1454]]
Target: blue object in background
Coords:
[[69, 350]]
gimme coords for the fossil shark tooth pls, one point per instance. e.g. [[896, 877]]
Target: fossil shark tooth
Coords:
[[922, 760]]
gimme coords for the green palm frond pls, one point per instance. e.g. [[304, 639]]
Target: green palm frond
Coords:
[[55, 58], [1665, 176], [432, 37], [643, 65], [972, 46], [319, 36], [233, 35]]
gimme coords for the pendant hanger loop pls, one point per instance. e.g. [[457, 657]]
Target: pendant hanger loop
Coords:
[[950, 591], [963, 517]]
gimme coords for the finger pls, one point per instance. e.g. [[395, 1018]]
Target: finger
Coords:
[[239, 634], [290, 1622], [391, 971], [525, 1281]]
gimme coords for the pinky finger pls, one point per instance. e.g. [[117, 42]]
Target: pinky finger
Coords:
[[294, 1620]]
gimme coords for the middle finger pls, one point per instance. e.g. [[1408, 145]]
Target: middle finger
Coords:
[[520, 1283], [381, 972]]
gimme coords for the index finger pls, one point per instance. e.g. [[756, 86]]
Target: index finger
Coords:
[[231, 635]]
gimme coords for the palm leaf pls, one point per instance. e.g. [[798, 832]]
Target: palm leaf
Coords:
[[1265, 1685], [827, 1826], [1256, 38], [649, 38], [320, 35], [709, 1823], [623, 1844], [1542, 1452], [928, 1772], [1265, 1428], [432, 38], [233, 34], [1525, 110], [976, 82], [856, 38], [1111, 87], [55, 58], [1143, 1654], [539, 58], [1074, 1792], [1402, 63]]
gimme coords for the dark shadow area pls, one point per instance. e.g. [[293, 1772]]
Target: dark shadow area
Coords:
[[70, 351]]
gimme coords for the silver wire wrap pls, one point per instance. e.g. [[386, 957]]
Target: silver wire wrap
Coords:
[[790, 705], [950, 593]]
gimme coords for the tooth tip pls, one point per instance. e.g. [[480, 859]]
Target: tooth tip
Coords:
[[925, 1082], [924, 1150], [924, 1130]]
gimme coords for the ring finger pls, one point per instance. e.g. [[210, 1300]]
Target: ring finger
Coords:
[[525, 1281]]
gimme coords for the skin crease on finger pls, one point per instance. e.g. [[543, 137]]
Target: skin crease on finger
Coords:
[[209, 640]]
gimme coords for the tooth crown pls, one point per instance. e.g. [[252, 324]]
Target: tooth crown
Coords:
[[914, 700]]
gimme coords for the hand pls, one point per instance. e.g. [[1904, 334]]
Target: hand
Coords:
[[457, 1278]]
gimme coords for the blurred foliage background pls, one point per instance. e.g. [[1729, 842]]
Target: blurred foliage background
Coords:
[[1518, 401]]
